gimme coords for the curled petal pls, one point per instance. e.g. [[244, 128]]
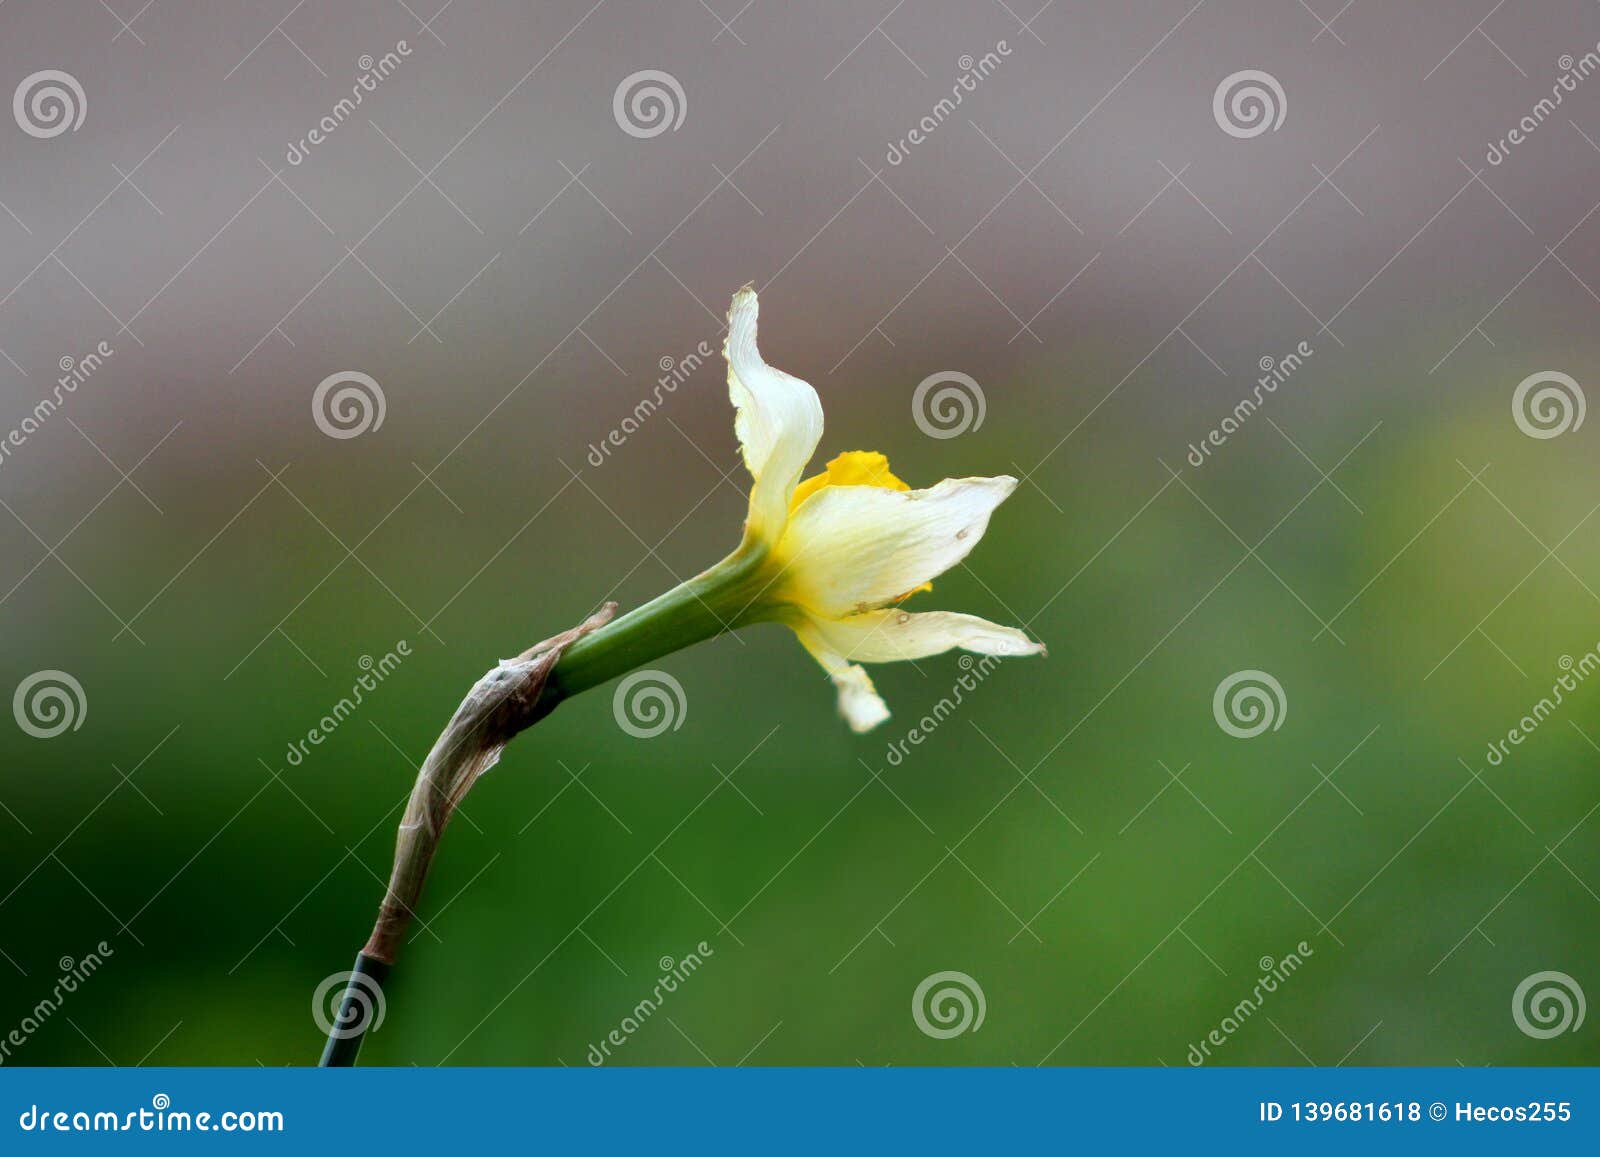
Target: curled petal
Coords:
[[859, 701], [891, 636], [849, 549], [778, 420]]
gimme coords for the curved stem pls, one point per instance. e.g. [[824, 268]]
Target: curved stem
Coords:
[[716, 600]]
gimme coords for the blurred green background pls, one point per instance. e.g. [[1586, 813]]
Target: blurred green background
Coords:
[[1080, 837]]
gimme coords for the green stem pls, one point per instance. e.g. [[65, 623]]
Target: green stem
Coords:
[[714, 601]]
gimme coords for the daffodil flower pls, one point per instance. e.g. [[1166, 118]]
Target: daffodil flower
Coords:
[[832, 557]]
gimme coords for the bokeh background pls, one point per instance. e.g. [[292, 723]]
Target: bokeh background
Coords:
[[485, 238]]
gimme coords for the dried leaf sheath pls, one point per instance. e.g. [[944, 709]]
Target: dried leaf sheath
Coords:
[[502, 704]]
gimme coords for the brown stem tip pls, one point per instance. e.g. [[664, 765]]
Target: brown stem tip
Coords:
[[505, 702]]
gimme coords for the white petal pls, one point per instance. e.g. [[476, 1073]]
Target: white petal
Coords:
[[854, 548], [778, 419], [859, 702], [891, 636]]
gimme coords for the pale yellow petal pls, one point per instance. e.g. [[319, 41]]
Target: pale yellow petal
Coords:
[[859, 701], [853, 548], [778, 420], [891, 636]]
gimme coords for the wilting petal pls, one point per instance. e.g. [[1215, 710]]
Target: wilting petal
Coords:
[[891, 636], [859, 702], [853, 548], [778, 420]]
